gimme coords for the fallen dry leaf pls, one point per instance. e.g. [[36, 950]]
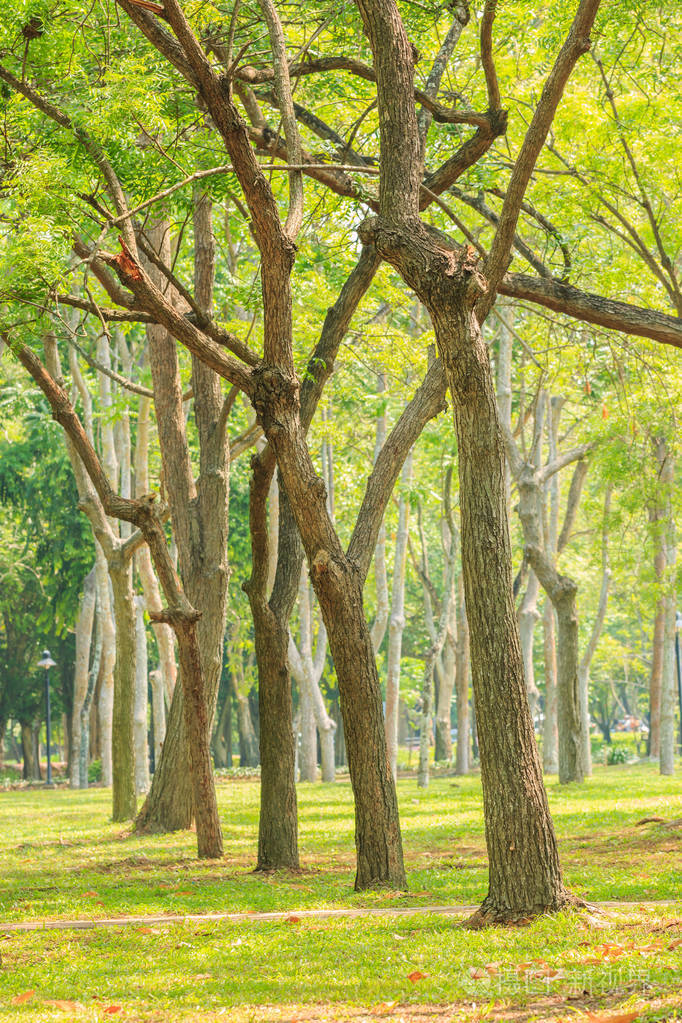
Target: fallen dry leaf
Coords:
[[477, 973], [25, 997], [622, 1017], [111, 1009], [292, 920], [415, 976], [58, 1003]]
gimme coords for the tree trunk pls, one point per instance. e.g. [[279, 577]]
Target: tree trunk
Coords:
[[199, 515], [278, 820], [396, 625], [550, 746], [528, 617], [86, 706], [30, 770], [123, 764], [105, 699], [666, 472], [140, 746], [462, 683], [84, 625], [525, 875], [158, 712]]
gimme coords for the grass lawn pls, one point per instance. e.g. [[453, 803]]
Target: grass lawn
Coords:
[[62, 857]]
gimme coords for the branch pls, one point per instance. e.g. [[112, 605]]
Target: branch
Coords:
[[592, 308], [92, 148], [577, 43], [427, 402], [487, 54], [286, 106], [561, 461], [574, 492]]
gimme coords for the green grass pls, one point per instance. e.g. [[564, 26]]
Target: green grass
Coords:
[[62, 857]]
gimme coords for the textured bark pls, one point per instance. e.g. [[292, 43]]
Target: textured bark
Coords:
[[666, 474], [462, 683], [396, 625], [140, 746], [124, 803], [525, 876], [158, 713], [595, 633], [85, 709], [199, 514], [307, 669], [84, 625], [278, 821], [550, 747], [438, 638], [163, 633]]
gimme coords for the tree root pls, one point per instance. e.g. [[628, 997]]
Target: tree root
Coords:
[[492, 915]]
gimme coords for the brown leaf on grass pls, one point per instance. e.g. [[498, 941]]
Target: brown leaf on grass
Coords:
[[90, 895], [415, 976], [477, 973], [111, 1009], [26, 996], [144, 930], [384, 1007], [674, 944], [621, 1017], [292, 920], [58, 1003]]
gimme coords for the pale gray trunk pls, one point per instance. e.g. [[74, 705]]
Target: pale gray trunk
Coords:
[[140, 746], [380, 573], [550, 748], [158, 712], [397, 622], [163, 633], [105, 706], [462, 683], [84, 624], [666, 463], [85, 709], [429, 662], [595, 633], [528, 618], [307, 669]]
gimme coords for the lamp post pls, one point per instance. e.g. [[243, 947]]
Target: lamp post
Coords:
[[678, 627], [46, 662]]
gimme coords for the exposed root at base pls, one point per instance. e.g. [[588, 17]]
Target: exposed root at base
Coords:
[[490, 915]]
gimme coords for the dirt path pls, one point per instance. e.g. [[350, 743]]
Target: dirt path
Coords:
[[289, 916]]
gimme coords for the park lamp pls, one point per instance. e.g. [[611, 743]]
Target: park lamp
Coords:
[[46, 662]]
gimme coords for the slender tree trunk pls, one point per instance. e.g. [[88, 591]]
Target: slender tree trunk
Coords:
[[462, 683], [528, 617], [84, 625], [396, 625], [105, 703], [158, 712], [85, 709], [140, 705], [124, 801], [666, 471], [550, 748]]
